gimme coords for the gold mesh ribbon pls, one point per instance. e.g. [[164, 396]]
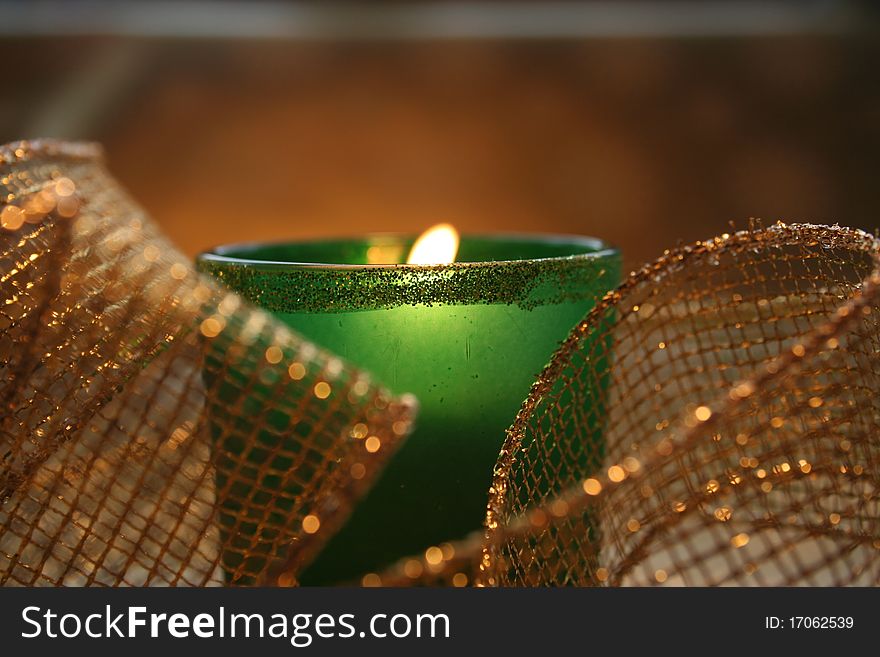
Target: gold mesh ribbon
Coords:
[[741, 425], [136, 394], [715, 420]]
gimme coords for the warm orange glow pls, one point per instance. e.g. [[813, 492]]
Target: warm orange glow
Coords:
[[436, 246]]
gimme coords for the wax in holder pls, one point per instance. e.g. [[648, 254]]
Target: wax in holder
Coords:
[[468, 339]]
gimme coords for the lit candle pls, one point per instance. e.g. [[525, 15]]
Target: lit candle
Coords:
[[466, 337]]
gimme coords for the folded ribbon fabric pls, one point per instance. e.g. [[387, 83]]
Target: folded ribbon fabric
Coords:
[[137, 394]]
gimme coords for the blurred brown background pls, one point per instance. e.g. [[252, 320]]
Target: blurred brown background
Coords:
[[642, 123]]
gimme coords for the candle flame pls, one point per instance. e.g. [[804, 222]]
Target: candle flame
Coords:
[[436, 246]]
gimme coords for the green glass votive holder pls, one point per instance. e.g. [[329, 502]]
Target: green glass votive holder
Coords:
[[467, 339]]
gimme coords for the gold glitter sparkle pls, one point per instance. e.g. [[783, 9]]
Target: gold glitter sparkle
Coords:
[[311, 524]]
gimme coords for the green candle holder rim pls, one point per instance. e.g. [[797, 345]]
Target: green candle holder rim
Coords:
[[291, 286], [234, 254]]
